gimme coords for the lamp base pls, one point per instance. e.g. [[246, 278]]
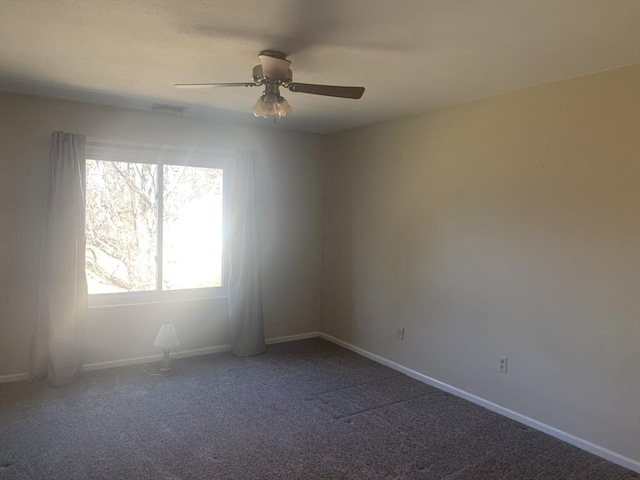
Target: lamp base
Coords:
[[165, 363]]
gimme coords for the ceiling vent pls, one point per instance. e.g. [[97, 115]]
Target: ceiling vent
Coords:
[[168, 109]]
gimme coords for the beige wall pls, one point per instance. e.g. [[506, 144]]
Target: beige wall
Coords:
[[507, 226], [290, 186]]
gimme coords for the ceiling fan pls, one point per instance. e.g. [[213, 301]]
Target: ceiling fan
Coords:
[[273, 73]]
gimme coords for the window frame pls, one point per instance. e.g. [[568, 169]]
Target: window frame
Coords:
[[160, 156]]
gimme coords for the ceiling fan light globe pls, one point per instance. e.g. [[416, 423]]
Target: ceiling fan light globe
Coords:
[[258, 109], [270, 99], [271, 104], [284, 107]]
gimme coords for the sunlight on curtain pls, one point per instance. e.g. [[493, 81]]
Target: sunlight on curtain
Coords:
[[56, 349], [243, 260]]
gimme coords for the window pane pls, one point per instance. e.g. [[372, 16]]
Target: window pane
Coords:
[[192, 228], [121, 226]]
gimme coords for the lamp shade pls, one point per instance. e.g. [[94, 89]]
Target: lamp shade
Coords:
[[166, 337]]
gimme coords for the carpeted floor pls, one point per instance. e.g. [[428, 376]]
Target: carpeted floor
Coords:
[[304, 410]]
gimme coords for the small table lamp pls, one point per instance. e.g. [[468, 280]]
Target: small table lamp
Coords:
[[166, 339]]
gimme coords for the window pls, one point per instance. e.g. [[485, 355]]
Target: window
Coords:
[[153, 228]]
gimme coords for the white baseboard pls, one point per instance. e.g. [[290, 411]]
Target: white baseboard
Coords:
[[16, 377], [88, 367], [189, 353], [200, 351], [494, 407], [292, 338]]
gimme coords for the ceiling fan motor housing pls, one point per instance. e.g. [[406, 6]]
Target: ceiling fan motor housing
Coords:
[[274, 67]]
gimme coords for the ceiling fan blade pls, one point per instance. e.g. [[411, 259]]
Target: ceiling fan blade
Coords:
[[327, 90], [208, 85]]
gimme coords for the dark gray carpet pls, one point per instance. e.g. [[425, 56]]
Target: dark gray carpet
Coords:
[[304, 410]]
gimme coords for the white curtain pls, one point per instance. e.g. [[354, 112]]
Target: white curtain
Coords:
[[243, 259], [56, 348]]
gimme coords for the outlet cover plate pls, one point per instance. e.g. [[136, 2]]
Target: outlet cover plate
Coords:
[[502, 364]]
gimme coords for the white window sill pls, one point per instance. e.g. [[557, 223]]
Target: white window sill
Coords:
[[109, 300]]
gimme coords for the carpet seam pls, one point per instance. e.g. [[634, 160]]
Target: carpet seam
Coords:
[[355, 385], [385, 405]]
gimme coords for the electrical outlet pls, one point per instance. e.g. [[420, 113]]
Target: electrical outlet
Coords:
[[400, 333], [502, 364]]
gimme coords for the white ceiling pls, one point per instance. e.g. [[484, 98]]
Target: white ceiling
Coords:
[[411, 55]]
